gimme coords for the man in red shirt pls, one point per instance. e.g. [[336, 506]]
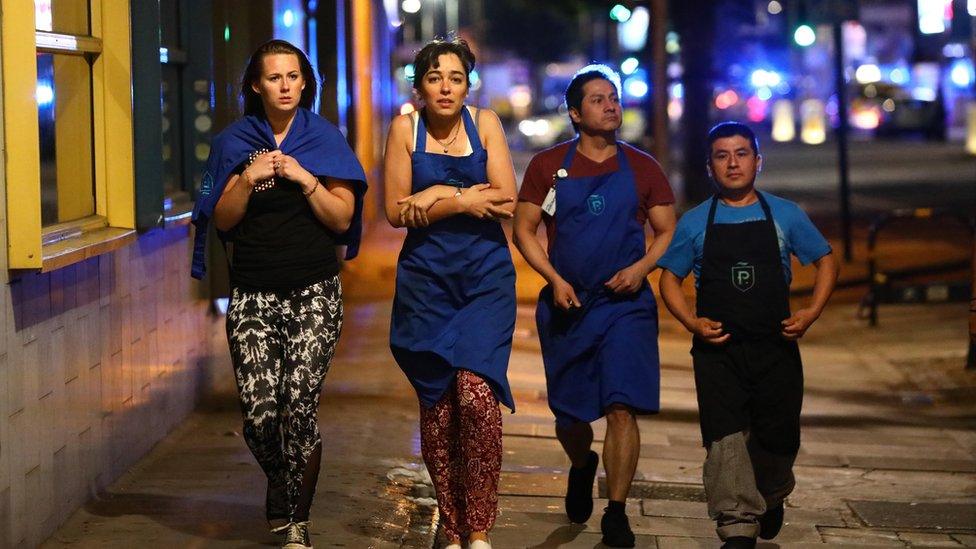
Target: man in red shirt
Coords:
[[597, 317]]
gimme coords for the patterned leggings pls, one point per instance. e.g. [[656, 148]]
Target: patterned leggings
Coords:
[[281, 344], [461, 441]]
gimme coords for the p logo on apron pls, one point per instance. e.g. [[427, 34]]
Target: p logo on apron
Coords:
[[596, 204], [743, 276]]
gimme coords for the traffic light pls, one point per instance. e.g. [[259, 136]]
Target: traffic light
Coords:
[[804, 35]]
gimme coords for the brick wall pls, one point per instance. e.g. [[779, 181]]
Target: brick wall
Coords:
[[98, 361]]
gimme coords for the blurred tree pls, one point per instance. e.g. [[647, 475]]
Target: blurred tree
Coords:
[[694, 20], [541, 31]]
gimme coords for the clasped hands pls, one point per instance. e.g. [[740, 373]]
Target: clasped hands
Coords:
[[625, 281], [479, 201], [278, 164], [710, 331]]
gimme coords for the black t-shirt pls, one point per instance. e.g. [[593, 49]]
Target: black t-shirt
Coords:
[[279, 244]]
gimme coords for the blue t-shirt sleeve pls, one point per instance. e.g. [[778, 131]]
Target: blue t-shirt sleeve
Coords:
[[803, 238], [679, 258]]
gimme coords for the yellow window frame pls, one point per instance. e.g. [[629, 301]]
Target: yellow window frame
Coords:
[[31, 246]]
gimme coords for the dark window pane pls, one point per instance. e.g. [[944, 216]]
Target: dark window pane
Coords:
[[172, 127], [62, 16], [64, 108], [169, 23]]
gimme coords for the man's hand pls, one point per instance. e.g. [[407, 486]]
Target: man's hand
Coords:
[[563, 295], [709, 330], [627, 280], [797, 325]]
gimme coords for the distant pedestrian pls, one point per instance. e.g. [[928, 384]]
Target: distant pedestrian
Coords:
[[747, 366], [284, 190], [449, 180], [597, 316]]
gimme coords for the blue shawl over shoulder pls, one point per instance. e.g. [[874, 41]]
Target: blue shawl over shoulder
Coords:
[[313, 141]]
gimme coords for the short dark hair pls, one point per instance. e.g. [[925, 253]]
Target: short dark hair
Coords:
[[731, 129], [428, 56], [252, 100], [574, 92]]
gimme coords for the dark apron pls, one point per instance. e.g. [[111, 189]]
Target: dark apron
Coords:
[[605, 351], [753, 382]]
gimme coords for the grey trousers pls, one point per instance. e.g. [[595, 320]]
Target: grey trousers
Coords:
[[741, 481]]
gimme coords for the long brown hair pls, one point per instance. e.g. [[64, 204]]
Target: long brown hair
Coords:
[[252, 100]]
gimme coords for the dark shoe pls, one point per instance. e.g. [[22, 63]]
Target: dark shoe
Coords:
[[616, 530], [739, 542], [579, 490], [297, 536], [771, 522]]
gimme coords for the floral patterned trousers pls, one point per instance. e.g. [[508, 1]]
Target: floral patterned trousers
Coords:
[[281, 344], [461, 441]]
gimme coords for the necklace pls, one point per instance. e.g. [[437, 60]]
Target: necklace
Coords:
[[447, 145]]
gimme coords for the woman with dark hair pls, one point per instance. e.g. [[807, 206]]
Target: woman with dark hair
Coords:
[[449, 180], [284, 191]]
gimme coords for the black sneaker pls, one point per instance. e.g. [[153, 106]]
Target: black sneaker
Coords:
[[579, 490], [297, 536], [616, 530], [739, 542], [771, 522]]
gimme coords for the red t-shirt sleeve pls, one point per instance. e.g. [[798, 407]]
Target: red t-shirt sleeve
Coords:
[[652, 185], [537, 181]]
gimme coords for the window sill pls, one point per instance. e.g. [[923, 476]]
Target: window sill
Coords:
[[73, 242], [179, 209]]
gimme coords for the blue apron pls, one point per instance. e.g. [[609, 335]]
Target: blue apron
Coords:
[[605, 351], [454, 306]]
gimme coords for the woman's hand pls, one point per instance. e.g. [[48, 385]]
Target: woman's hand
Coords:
[[286, 167], [263, 167], [482, 202], [413, 208]]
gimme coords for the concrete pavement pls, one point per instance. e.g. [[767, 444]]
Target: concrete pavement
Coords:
[[888, 456]]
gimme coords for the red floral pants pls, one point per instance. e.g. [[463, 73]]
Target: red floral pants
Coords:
[[461, 441]]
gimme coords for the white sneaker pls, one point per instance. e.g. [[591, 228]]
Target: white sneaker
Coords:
[[479, 544], [297, 536]]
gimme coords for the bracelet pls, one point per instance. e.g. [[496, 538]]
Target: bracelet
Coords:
[[458, 192], [315, 188]]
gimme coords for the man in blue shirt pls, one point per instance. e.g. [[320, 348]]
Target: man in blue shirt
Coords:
[[748, 373]]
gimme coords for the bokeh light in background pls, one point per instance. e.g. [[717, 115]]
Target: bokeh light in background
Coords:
[[410, 6], [804, 36]]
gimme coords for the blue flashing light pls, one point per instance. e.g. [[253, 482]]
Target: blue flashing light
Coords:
[[164, 55], [678, 91], [764, 93], [288, 18], [761, 78], [409, 72], [475, 77], [961, 73], [899, 75], [45, 94], [804, 36], [636, 86], [619, 13], [629, 65]]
